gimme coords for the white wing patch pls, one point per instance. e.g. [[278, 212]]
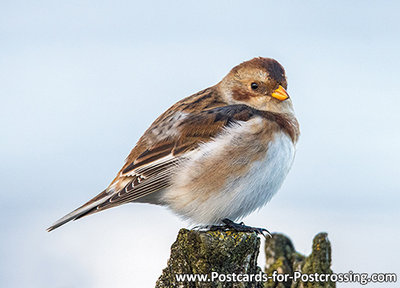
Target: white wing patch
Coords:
[[169, 127]]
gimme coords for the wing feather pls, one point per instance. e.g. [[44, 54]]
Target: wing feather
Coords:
[[149, 166], [151, 170]]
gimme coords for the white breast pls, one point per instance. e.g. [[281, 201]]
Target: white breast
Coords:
[[263, 180], [202, 202]]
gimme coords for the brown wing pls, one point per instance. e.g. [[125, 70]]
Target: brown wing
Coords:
[[150, 170]]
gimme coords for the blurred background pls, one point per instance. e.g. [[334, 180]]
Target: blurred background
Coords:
[[82, 80]]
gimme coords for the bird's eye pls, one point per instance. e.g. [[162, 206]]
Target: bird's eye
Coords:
[[254, 86]]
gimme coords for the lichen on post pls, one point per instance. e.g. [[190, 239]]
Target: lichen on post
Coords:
[[282, 257], [222, 253], [209, 253]]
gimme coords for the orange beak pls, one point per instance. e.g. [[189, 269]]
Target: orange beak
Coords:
[[280, 94]]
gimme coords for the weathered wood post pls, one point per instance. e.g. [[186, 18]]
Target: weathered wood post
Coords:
[[218, 255]]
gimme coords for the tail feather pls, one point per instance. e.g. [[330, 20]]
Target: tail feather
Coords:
[[86, 209]]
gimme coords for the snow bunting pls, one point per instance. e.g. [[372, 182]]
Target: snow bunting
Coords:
[[218, 154]]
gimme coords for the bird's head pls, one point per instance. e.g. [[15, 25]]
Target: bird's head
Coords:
[[259, 83]]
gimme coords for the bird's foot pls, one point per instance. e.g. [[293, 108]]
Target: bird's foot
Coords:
[[240, 227], [203, 227]]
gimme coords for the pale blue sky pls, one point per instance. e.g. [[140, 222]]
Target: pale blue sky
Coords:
[[82, 80]]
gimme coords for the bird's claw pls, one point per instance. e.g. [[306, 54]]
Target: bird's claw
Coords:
[[240, 227], [202, 227]]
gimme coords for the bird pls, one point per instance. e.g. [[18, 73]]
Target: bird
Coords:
[[213, 157]]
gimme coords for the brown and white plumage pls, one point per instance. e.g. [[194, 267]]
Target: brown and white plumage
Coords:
[[220, 153]]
